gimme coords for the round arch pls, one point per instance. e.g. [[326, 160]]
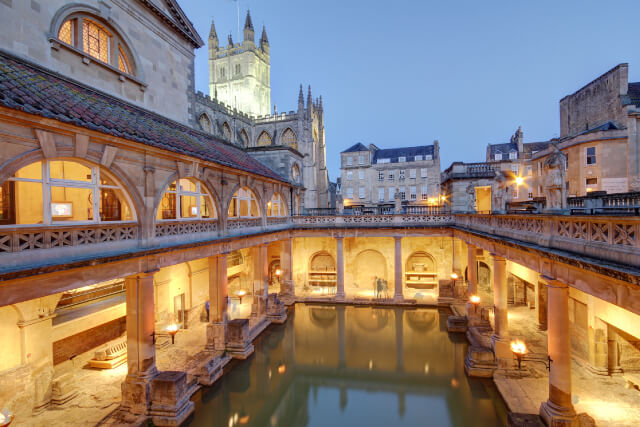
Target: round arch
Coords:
[[277, 206], [244, 203], [322, 317], [369, 265], [322, 261], [421, 261], [183, 191]]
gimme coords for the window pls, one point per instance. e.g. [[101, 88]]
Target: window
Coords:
[[381, 194], [428, 157], [349, 175], [361, 159], [360, 174], [513, 155], [592, 184], [264, 139], [186, 198], [349, 161], [205, 123], [391, 176], [277, 206], [539, 168], [423, 193], [295, 173], [243, 204], [418, 158], [529, 172], [515, 191], [349, 193], [423, 172], [289, 138], [412, 192], [403, 194], [401, 175], [59, 191], [226, 131], [515, 169], [498, 156], [361, 192], [591, 155], [412, 173], [383, 161], [402, 159], [223, 73], [238, 69], [380, 176], [96, 40], [392, 194], [244, 138]]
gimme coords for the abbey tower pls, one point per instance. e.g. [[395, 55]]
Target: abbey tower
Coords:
[[239, 74]]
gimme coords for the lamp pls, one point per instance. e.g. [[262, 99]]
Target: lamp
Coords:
[[278, 272], [240, 294], [519, 180], [454, 275], [520, 351], [6, 419], [475, 300], [170, 330]]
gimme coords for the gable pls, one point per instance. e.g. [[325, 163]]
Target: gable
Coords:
[[172, 14]]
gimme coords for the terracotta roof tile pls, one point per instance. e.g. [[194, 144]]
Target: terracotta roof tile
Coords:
[[29, 88]]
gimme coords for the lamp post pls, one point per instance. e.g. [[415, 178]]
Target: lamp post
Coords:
[[6, 419], [520, 351], [475, 300], [240, 294], [454, 279], [170, 330]]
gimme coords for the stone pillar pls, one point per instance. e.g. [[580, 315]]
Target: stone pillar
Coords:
[[613, 351], [339, 269], [264, 265], [286, 267], [541, 305], [397, 265], [558, 409], [218, 300], [500, 339], [473, 313]]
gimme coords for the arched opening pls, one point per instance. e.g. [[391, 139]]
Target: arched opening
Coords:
[[289, 139], [244, 138], [421, 271], [186, 198], [371, 320], [97, 39], [63, 191], [322, 272], [277, 206], [226, 131], [484, 275], [244, 204], [264, 139], [370, 274], [205, 123]]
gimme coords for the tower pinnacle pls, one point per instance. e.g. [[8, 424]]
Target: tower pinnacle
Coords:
[[249, 34], [264, 41]]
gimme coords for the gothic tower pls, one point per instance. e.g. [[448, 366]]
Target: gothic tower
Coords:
[[240, 74]]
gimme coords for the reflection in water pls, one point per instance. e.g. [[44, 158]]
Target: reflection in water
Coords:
[[343, 366]]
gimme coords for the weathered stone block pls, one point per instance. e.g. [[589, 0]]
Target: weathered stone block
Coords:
[[170, 404], [276, 310], [238, 338]]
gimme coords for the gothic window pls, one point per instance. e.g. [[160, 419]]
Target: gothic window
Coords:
[[205, 123], [289, 138], [226, 131], [244, 137], [243, 204], [277, 206], [186, 198], [264, 139], [62, 191], [97, 40]]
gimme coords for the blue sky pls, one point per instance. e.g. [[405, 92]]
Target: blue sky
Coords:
[[403, 73]]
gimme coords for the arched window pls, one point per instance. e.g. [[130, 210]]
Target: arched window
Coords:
[[264, 139], [289, 138], [226, 131], [277, 206], [186, 198], [244, 204], [295, 173], [205, 123], [245, 138], [62, 191], [96, 39]]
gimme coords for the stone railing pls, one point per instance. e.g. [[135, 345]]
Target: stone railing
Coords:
[[460, 170], [399, 220], [611, 238], [178, 228], [277, 220], [608, 204], [241, 223], [20, 239]]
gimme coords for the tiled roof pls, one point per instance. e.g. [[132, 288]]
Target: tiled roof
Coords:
[[29, 88], [357, 147], [409, 152]]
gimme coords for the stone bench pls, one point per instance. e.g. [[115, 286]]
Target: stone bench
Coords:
[[111, 357]]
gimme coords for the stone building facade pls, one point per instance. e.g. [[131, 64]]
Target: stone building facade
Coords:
[[373, 176]]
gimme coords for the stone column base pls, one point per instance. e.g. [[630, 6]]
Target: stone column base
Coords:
[[479, 362], [216, 336], [276, 310], [206, 367], [558, 416], [502, 350], [170, 404], [135, 395], [63, 389], [239, 344]]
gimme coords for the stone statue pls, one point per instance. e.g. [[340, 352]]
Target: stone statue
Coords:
[[498, 193], [554, 180], [471, 198], [339, 204]]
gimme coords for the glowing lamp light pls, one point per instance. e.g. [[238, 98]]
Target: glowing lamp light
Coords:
[[5, 419], [475, 300], [240, 294], [282, 368], [278, 272], [519, 349], [172, 330], [454, 276], [519, 180]]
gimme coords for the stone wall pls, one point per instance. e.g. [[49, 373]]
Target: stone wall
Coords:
[[75, 345]]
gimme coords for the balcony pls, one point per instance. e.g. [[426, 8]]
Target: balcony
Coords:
[[460, 170]]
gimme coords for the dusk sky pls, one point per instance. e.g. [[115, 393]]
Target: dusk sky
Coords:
[[403, 73]]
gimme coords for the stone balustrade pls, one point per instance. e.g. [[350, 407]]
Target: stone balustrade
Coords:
[[400, 220], [178, 228]]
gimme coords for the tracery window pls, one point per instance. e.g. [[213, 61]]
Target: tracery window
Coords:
[[243, 204], [289, 138], [226, 131], [186, 198], [97, 40], [264, 139], [62, 191], [245, 138], [277, 206], [205, 123]]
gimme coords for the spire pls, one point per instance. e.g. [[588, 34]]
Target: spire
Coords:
[[309, 102], [320, 104], [213, 36], [249, 34], [300, 101], [230, 40], [264, 41]]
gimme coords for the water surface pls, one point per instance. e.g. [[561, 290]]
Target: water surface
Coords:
[[352, 366]]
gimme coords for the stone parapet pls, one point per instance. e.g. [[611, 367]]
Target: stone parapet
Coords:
[[239, 343]]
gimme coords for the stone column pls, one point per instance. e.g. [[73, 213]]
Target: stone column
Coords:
[[500, 338], [339, 268], [218, 300], [613, 351], [473, 313], [264, 265], [558, 409], [397, 265], [286, 266]]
